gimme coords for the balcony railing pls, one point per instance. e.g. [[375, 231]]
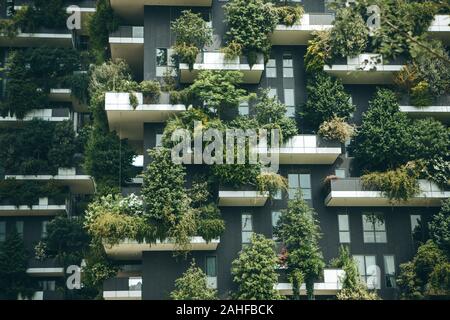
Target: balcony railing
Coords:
[[332, 284], [351, 192], [440, 28], [439, 109], [126, 34], [242, 198], [123, 288], [218, 61], [44, 207]]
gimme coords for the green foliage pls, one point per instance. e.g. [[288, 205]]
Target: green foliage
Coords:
[[349, 36], [80, 86], [14, 279], [289, 15], [337, 129], [63, 145], [191, 30], [186, 53], [422, 276], [66, 240], [318, 52], [326, 100], [272, 183], [400, 184], [439, 228], [254, 270], [101, 24], [151, 90], [352, 286], [192, 286], [232, 50], [387, 138], [250, 23], [299, 231]]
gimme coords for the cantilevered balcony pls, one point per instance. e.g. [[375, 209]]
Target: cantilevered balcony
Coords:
[[129, 122], [52, 115], [132, 250], [38, 38], [331, 285], [440, 28], [242, 198], [301, 33], [134, 9], [366, 68], [123, 288], [306, 149], [44, 207], [78, 182], [127, 43], [440, 109], [350, 192], [217, 61]]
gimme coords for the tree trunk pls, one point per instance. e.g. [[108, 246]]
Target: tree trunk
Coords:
[[309, 289]]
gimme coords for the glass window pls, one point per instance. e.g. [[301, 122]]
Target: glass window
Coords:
[[289, 97], [243, 109], [158, 140], [247, 228], [374, 228], [415, 222], [302, 182], [19, 228], [135, 283], [161, 57], [344, 228], [389, 271], [211, 266], [340, 173], [272, 93], [44, 229], [367, 269], [271, 69], [288, 70], [48, 285], [275, 218], [2, 231]]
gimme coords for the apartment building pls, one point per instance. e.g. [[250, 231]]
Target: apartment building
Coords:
[[145, 42]]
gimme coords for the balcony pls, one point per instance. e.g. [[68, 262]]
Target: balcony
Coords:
[[45, 272], [306, 149], [217, 61], [301, 33], [78, 182], [367, 68], [132, 10], [45, 207], [440, 28], [129, 122], [351, 193], [440, 109], [128, 43], [132, 250], [242, 198], [331, 285], [41, 37], [123, 288], [52, 115]]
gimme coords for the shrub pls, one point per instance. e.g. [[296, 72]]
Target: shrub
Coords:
[[186, 54], [326, 99], [420, 95], [272, 183], [318, 52], [192, 285], [151, 90], [191, 30], [398, 185], [336, 129], [232, 50], [134, 102], [289, 15]]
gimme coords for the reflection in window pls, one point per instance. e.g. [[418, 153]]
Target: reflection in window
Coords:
[[389, 271], [300, 182], [135, 284], [247, 228], [271, 69], [367, 269], [161, 57], [374, 228], [344, 228]]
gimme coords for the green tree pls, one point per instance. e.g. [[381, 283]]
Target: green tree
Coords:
[[299, 231], [191, 29], [63, 145], [439, 227], [326, 99], [14, 279], [254, 270], [192, 285]]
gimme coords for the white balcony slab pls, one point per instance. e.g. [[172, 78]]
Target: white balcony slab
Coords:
[[45, 272], [37, 39], [242, 198], [217, 61], [440, 28], [354, 196], [129, 122], [132, 250], [332, 284], [35, 210], [441, 113]]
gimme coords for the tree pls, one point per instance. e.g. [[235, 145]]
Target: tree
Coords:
[[14, 279], [63, 145], [192, 285], [326, 99], [439, 227], [352, 286], [254, 270], [299, 231], [191, 29]]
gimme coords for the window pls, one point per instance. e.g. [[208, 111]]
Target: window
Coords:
[[389, 271], [289, 101], [135, 283], [243, 109], [302, 182], [2, 231], [271, 68], [272, 93], [44, 229], [374, 228], [344, 228], [367, 269], [415, 222], [48, 285], [275, 218], [340, 173], [247, 228], [211, 272], [158, 142], [288, 70], [19, 228], [161, 57]]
